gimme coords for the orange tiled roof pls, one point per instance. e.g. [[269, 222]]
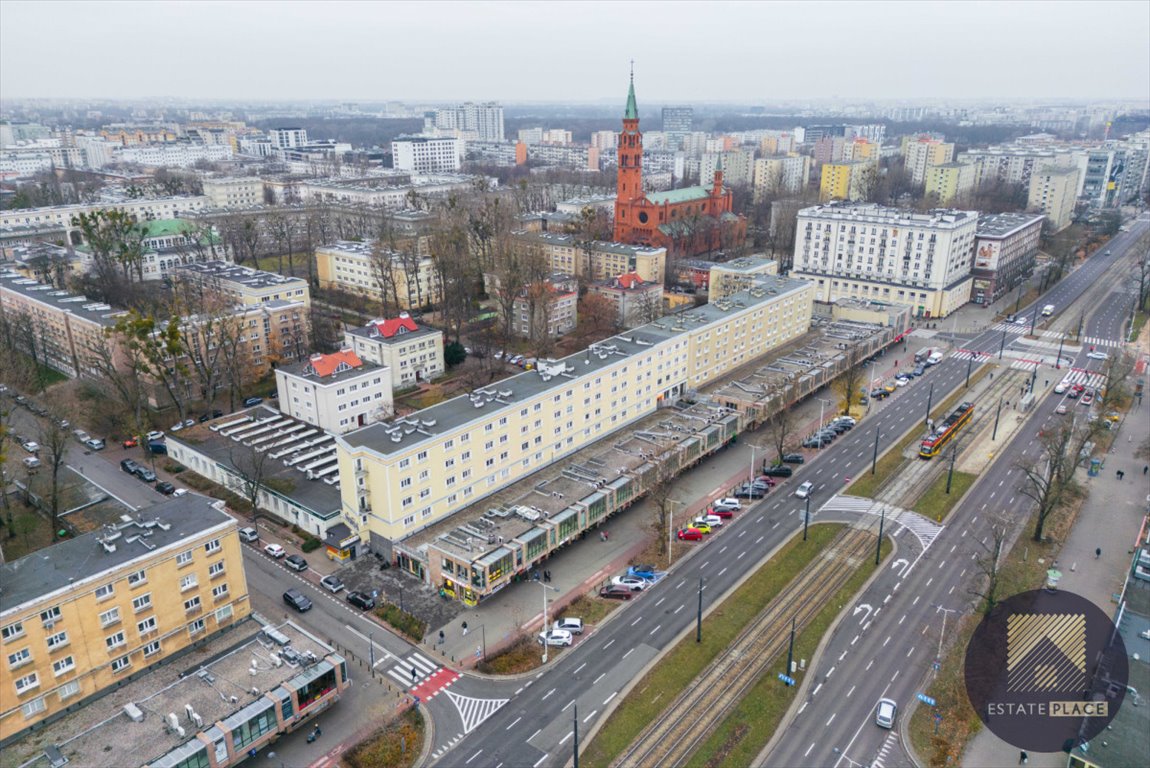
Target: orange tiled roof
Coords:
[[629, 280], [389, 328], [326, 365]]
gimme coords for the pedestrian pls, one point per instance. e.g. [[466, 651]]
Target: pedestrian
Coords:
[[465, 629], [1098, 553], [547, 576], [442, 637], [1023, 758], [1146, 469]]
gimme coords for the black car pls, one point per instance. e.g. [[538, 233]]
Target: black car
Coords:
[[252, 401], [129, 466], [778, 470], [204, 417], [879, 394], [145, 474], [746, 491], [217, 413], [361, 600], [794, 458], [165, 488], [297, 600]]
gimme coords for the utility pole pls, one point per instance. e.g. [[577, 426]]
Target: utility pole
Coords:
[[929, 400], [878, 544], [1058, 362], [806, 517], [1002, 344], [791, 649], [997, 413], [371, 651], [699, 615], [1033, 318], [969, 363], [1078, 333], [874, 458], [950, 473], [575, 742]]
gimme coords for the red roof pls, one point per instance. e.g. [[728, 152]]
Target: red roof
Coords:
[[326, 365], [629, 280], [389, 328]]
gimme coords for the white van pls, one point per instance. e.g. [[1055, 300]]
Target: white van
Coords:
[[1048, 310], [934, 359]]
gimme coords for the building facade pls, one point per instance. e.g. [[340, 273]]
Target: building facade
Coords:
[[108, 604], [244, 285], [781, 174], [548, 308], [1005, 248], [337, 392], [846, 180], [1053, 190], [922, 153], [950, 182], [484, 120], [888, 255], [594, 260], [409, 279], [235, 192], [636, 302], [427, 154], [411, 352]]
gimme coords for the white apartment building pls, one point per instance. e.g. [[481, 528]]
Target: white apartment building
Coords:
[[410, 279], [427, 154], [286, 138], [1053, 190], [922, 153], [738, 167], [62, 215], [410, 351], [887, 254], [15, 165], [782, 174], [337, 392], [553, 310], [485, 120], [236, 192], [173, 155]]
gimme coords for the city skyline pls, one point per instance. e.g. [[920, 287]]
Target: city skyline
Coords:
[[499, 51]]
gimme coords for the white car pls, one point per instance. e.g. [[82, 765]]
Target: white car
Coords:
[[31, 462], [274, 550], [556, 637], [30, 446], [885, 712], [1098, 355], [901, 381], [804, 490], [729, 503], [332, 584], [712, 520], [631, 582], [1061, 387], [572, 625], [154, 436]]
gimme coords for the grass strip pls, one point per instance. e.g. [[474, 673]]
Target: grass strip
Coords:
[[749, 726], [936, 503], [396, 745], [686, 661]]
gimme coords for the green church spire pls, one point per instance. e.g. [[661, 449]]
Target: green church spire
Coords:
[[632, 112]]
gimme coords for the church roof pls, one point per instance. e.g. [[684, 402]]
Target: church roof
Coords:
[[684, 195], [632, 111]]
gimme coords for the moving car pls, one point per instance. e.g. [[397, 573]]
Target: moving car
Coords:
[[570, 625], [805, 490], [1075, 391], [556, 637], [614, 592], [1098, 355], [274, 550], [332, 584], [1062, 410], [296, 563], [166, 488], [361, 600], [1061, 387], [689, 534], [885, 713], [297, 600], [631, 582]]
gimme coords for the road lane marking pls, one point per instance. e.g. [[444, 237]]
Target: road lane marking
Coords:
[[608, 645], [812, 746], [915, 601], [569, 735], [656, 629], [680, 608], [579, 668], [600, 677], [760, 538], [568, 706], [815, 692], [900, 621], [608, 701], [473, 757], [855, 640], [628, 653], [722, 571], [659, 601], [884, 642], [532, 736], [548, 694], [636, 621], [908, 653], [508, 728], [590, 716], [540, 761], [852, 690]]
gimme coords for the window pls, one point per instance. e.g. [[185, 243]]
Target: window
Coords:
[[421, 456], [58, 640], [34, 707], [184, 558], [405, 463], [142, 603], [121, 663], [104, 592], [152, 648], [196, 627], [19, 658], [220, 591], [114, 641], [405, 482], [192, 604], [50, 616], [187, 582], [68, 690], [66, 664], [110, 617], [223, 614], [215, 569], [12, 631], [146, 626], [137, 578], [27, 683], [212, 546]]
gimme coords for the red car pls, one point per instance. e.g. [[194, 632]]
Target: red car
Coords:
[[722, 512], [131, 442], [770, 481], [1075, 391], [616, 592], [690, 534]]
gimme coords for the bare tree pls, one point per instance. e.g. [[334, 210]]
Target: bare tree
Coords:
[[1117, 369], [7, 438], [1046, 479], [848, 384], [781, 431], [990, 564], [53, 435], [251, 468]]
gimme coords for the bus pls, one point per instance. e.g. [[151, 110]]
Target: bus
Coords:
[[933, 444]]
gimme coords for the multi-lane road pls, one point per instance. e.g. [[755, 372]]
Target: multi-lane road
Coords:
[[892, 652]]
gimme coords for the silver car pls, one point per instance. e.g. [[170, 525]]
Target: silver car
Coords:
[[885, 713]]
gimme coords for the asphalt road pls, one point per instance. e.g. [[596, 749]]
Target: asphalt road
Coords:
[[535, 728]]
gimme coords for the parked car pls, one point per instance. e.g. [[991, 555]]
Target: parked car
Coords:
[[766, 480], [129, 466], [31, 446], [701, 527], [217, 413], [274, 550], [723, 512], [631, 582], [643, 571], [252, 401], [728, 503], [31, 462], [879, 394], [689, 534], [748, 491], [249, 534], [361, 600], [145, 474], [848, 420], [793, 458], [95, 443], [296, 563], [778, 470], [570, 624], [712, 520], [160, 449], [902, 381], [889, 388], [885, 713], [297, 600], [332, 584], [556, 637], [204, 417], [177, 427], [919, 370], [155, 435], [131, 442], [165, 488], [815, 441], [80, 435], [614, 592], [805, 490]]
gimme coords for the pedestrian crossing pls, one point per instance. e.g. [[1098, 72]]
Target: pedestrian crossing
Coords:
[[1091, 379], [1010, 327], [411, 669], [473, 711], [1094, 341], [924, 529], [966, 354], [1026, 365], [887, 745]]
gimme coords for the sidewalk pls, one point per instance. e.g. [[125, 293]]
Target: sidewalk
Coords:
[[1109, 519]]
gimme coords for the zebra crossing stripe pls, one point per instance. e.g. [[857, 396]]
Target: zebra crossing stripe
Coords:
[[402, 671], [474, 711]]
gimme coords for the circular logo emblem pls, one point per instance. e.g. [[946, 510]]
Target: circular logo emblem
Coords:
[[1046, 671]]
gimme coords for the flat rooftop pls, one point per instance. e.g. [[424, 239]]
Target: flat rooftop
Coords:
[[75, 304], [878, 214], [571, 241], [745, 264], [71, 561], [1004, 224], [229, 667], [233, 273], [404, 433], [295, 450]]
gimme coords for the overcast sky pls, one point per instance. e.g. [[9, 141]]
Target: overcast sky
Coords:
[[522, 51]]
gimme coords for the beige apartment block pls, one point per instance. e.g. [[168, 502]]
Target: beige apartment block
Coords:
[[92, 612], [950, 182], [636, 302], [924, 152], [1053, 190], [423, 468], [243, 284], [783, 174], [234, 192], [412, 353], [730, 277], [409, 279], [596, 260]]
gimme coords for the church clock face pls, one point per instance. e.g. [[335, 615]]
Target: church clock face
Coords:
[[642, 217]]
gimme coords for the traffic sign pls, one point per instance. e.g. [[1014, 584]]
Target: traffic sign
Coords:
[[926, 700], [786, 679]]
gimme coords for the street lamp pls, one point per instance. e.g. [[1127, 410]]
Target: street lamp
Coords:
[[670, 527], [754, 447], [545, 588], [822, 404]]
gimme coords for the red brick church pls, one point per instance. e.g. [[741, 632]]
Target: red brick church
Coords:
[[687, 222]]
